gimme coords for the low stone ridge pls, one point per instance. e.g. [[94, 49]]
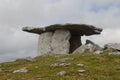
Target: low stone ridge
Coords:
[[75, 29], [115, 46], [114, 53], [22, 70]]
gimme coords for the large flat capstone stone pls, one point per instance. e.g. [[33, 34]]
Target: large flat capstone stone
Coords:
[[75, 29]]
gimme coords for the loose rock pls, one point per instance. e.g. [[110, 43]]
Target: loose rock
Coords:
[[98, 52], [88, 47], [80, 65], [22, 70], [60, 65], [81, 71], [64, 64], [65, 59], [62, 73]]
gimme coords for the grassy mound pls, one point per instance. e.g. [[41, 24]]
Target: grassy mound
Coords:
[[98, 67]]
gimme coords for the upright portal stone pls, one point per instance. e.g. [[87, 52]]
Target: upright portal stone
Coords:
[[44, 43], [60, 42]]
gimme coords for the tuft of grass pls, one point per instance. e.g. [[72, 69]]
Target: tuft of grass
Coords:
[[98, 67]]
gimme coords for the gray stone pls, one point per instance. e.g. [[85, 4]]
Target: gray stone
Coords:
[[62, 73], [115, 46], [22, 70], [98, 52], [54, 65], [114, 53], [60, 42], [60, 64], [81, 49], [75, 29], [81, 71], [88, 47], [64, 64], [95, 46], [65, 59], [80, 65], [44, 43]]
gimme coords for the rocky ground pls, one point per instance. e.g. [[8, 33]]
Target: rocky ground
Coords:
[[86, 66]]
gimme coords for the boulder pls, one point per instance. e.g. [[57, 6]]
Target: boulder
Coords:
[[114, 46], [44, 43], [22, 70], [96, 47], [62, 73], [88, 47], [81, 49], [60, 42]]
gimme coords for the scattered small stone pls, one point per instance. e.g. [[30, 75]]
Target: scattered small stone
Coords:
[[65, 59], [80, 65], [81, 71], [54, 65], [62, 73], [22, 70], [98, 52], [65, 64], [114, 53], [60, 64]]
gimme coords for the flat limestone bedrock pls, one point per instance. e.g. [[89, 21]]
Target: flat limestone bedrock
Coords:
[[60, 42], [54, 42], [44, 43]]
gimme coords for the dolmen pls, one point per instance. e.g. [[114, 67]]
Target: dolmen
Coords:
[[61, 38]]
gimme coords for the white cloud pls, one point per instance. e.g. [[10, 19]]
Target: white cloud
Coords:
[[15, 14]]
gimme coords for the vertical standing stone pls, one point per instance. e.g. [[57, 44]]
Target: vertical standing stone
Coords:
[[60, 42], [44, 43], [75, 42]]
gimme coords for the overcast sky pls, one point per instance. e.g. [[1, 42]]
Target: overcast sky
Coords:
[[15, 14]]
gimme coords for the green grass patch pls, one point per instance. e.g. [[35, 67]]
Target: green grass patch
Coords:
[[98, 67]]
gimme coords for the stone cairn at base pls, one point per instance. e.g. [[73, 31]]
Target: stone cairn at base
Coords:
[[61, 39]]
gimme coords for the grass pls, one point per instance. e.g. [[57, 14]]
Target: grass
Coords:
[[98, 67]]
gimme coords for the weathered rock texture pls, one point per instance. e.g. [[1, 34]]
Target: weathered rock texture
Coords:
[[88, 47], [60, 42], [44, 44], [59, 39], [115, 46], [54, 42]]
